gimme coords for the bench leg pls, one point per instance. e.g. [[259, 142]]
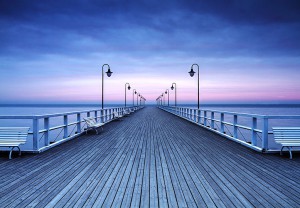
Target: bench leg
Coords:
[[11, 150], [10, 153], [96, 130], [290, 150]]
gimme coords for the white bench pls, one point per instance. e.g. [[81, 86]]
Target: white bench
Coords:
[[126, 112], [288, 137], [13, 137], [92, 124], [116, 115]]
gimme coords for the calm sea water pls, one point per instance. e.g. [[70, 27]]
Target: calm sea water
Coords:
[[243, 134]]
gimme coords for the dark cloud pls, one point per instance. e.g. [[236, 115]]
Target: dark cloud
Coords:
[[207, 28], [245, 11]]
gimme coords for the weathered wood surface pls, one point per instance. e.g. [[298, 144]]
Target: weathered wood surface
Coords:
[[150, 159]]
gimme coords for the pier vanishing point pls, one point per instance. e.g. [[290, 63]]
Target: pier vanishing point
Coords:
[[150, 159]]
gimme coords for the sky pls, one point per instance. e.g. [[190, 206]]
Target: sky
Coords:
[[53, 51]]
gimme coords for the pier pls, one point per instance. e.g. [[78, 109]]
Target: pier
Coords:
[[151, 158]]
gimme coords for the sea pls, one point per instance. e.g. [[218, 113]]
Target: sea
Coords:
[[42, 109]]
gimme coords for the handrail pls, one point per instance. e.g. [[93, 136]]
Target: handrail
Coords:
[[102, 115], [207, 119]]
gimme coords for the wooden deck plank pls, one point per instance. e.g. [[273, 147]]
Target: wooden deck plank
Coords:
[[275, 195], [150, 159]]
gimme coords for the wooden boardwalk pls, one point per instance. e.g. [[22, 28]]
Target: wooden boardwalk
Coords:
[[150, 159]]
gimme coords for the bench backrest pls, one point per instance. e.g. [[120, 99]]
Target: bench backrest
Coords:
[[90, 121], [13, 134], [286, 133]]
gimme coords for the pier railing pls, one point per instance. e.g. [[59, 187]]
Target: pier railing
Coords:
[[49, 130], [251, 130]]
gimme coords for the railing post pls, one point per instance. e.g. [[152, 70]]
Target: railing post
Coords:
[[253, 132], [265, 133], [46, 135], [235, 128], [78, 123], [212, 120], [66, 126], [101, 116], [199, 116], [106, 115], [96, 116], [35, 138], [88, 114], [205, 118], [222, 123], [195, 116]]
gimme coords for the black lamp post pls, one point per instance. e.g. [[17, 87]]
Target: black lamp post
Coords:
[[160, 99], [192, 72], [133, 92], [108, 74], [163, 98], [125, 91], [172, 88], [137, 96], [140, 98], [167, 92]]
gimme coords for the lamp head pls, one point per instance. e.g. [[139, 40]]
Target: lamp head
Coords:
[[135, 92], [172, 87], [166, 92], [129, 87], [109, 72], [192, 72]]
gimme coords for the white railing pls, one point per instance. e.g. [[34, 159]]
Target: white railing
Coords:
[[43, 136], [251, 130]]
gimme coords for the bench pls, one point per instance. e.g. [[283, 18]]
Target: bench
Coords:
[[13, 137], [126, 112], [288, 137], [92, 124], [116, 115]]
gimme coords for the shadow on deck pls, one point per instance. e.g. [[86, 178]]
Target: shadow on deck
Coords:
[[150, 159]]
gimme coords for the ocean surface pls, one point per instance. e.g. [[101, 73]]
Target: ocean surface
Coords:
[[243, 134]]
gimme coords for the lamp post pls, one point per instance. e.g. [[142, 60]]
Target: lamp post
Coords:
[[140, 98], [133, 92], [137, 96], [108, 73], [167, 92], [125, 91], [172, 88], [163, 98], [192, 72]]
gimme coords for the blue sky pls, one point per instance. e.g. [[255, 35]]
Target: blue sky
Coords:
[[53, 51]]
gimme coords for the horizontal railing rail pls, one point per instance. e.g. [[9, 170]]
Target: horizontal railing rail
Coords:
[[40, 129], [254, 133]]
